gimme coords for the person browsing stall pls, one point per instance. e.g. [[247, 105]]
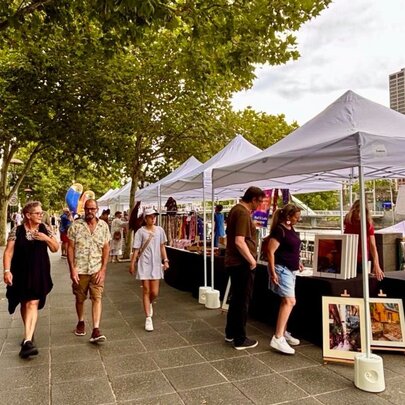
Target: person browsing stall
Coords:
[[240, 263], [283, 255]]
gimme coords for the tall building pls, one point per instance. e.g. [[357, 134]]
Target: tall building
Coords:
[[397, 91]]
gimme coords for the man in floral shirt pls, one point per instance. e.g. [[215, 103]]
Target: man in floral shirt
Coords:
[[88, 253]]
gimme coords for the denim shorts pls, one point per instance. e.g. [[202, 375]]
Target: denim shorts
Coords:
[[286, 282]]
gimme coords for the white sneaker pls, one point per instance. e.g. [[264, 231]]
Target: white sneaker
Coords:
[[148, 324], [292, 341], [281, 345], [151, 310]]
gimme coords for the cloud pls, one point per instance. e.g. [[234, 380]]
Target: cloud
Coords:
[[351, 45]]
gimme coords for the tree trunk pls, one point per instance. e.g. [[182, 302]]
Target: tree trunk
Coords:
[[3, 220], [128, 240]]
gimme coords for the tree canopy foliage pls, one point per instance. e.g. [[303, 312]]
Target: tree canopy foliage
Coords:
[[135, 84]]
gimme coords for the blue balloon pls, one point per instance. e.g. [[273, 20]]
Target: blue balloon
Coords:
[[73, 195]]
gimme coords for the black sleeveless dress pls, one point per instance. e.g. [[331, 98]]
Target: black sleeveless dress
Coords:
[[31, 270]]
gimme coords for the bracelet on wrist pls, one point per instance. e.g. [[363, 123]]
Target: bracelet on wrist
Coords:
[[165, 260], [6, 271]]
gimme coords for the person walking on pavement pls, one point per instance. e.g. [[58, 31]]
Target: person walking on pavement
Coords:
[[27, 270], [240, 262], [148, 261], [88, 251]]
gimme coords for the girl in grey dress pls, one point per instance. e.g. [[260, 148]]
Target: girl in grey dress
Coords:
[[149, 261]]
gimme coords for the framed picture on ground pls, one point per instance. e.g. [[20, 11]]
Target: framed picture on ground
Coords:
[[331, 256], [343, 325], [387, 322]]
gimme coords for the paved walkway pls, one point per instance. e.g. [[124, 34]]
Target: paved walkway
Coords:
[[184, 361]]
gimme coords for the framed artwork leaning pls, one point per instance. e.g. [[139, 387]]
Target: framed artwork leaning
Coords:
[[387, 322], [343, 325], [330, 256], [335, 256]]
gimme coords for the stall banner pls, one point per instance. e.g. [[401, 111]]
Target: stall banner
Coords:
[[261, 215]]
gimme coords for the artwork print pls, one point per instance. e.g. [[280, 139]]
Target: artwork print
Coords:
[[387, 322], [343, 327], [329, 256]]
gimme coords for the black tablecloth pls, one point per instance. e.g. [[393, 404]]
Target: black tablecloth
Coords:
[[186, 273]]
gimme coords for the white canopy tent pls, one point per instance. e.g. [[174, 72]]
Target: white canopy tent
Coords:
[[353, 137], [198, 181], [152, 193], [103, 201]]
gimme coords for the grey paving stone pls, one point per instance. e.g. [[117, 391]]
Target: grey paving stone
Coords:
[[189, 326], [394, 391], [317, 379], [77, 371], [175, 316], [66, 354], [311, 351], [121, 347], [193, 376], [270, 389], [135, 363], [240, 368], [119, 333], [203, 336], [305, 401], [26, 396], [219, 350], [394, 362], [176, 357], [223, 394], [160, 328], [160, 342], [351, 396], [141, 386], [281, 362], [167, 399], [36, 375], [97, 391], [12, 359]]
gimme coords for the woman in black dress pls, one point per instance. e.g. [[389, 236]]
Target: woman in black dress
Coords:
[[27, 270]]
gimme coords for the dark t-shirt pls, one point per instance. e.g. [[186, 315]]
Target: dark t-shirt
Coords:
[[288, 253], [239, 223]]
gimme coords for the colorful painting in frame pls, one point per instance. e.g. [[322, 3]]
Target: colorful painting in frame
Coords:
[[343, 325], [330, 257], [387, 322]]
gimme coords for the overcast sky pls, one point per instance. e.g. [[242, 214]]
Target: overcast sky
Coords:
[[354, 44]]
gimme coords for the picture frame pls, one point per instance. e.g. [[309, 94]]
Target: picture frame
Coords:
[[343, 327], [331, 256], [387, 322]]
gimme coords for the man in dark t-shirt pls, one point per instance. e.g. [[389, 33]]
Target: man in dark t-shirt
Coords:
[[240, 261]]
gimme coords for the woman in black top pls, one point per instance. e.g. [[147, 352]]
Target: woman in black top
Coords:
[[27, 270], [283, 254]]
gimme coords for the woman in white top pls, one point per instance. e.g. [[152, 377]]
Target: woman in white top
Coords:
[[149, 253]]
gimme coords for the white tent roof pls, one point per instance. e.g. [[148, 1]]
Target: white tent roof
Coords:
[[150, 193], [350, 132], [238, 149], [104, 198], [399, 227]]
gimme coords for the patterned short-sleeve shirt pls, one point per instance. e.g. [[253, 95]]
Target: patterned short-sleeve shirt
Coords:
[[88, 250]]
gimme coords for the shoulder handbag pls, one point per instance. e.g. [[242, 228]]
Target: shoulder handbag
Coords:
[[145, 245]]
